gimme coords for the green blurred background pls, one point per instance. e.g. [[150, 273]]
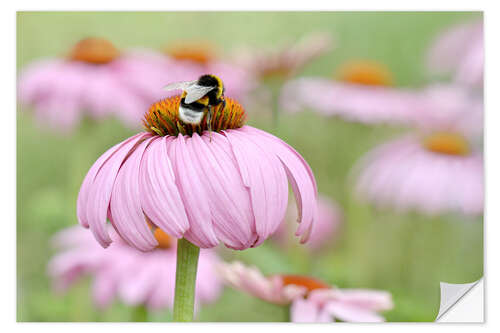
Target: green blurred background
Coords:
[[406, 254]]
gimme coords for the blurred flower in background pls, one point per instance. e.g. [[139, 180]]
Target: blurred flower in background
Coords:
[[136, 278], [310, 300], [325, 230], [450, 107], [459, 50], [229, 186], [275, 65], [437, 169], [186, 60], [361, 91], [283, 60], [433, 174], [95, 79]]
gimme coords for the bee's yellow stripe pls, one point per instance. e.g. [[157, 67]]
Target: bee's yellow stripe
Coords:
[[204, 100], [219, 86]]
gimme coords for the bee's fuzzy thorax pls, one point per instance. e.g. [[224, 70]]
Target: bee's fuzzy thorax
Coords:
[[163, 119]]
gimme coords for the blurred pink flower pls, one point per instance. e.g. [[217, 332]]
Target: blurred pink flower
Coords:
[[94, 79], [459, 50], [449, 107], [137, 278], [433, 174], [325, 229], [361, 91], [228, 187], [437, 169], [311, 300], [188, 60], [431, 106], [284, 60]]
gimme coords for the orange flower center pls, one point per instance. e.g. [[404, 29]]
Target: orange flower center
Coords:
[[164, 240], [304, 281], [200, 52], [163, 119], [365, 72], [446, 143], [94, 51]]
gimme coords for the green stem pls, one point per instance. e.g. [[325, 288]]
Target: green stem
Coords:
[[185, 280]]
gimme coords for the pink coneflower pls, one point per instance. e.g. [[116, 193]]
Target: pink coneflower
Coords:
[[182, 61], [431, 173], [274, 66], [361, 91], [230, 187], [135, 277], [285, 60], [310, 299], [451, 108], [95, 79], [325, 229], [459, 50]]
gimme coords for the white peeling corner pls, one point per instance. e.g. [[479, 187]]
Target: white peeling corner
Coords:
[[462, 302]]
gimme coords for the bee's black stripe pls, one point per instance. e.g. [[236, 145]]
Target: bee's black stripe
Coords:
[[195, 106]]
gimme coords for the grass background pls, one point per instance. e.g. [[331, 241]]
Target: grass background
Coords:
[[407, 254]]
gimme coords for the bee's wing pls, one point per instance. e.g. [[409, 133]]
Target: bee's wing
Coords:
[[179, 85], [195, 92]]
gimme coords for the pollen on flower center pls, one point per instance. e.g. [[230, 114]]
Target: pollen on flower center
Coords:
[[163, 119], [200, 52], [94, 50], [365, 72], [446, 143], [304, 281], [164, 240]]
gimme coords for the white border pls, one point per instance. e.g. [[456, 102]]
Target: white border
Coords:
[[492, 216]]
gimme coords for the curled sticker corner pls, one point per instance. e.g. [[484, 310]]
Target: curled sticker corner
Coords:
[[451, 293]]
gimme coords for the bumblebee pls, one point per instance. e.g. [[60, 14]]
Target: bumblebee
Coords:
[[199, 96]]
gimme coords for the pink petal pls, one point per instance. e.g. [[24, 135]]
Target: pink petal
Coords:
[[369, 299], [208, 285], [103, 288], [100, 185], [300, 176], [304, 311], [228, 198], [135, 289], [163, 294], [160, 197], [194, 197], [125, 203], [352, 313], [263, 174]]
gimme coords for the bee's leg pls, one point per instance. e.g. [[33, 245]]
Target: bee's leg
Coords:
[[223, 104], [209, 122]]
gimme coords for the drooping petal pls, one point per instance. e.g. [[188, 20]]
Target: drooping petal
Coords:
[[98, 194], [136, 289], [305, 311], [125, 204], [263, 174], [160, 198], [300, 176], [352, 313], [228, 198], [164, 290], [208, 288], [81, 202], [375, 300], [104, 288], [194, 197]]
